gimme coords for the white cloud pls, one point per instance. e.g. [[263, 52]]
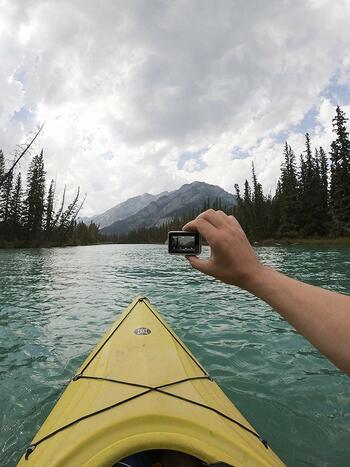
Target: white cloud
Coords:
[[148, 81]]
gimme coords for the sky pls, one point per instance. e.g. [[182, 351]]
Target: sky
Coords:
[[143, 96]]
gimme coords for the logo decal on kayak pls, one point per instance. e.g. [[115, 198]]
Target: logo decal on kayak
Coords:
[[142, 331]]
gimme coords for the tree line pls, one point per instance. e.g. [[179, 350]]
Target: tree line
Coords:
[[312, 197], [30, 214]]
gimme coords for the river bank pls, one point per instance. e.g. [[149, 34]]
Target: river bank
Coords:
[[19, 244], [319, 241]]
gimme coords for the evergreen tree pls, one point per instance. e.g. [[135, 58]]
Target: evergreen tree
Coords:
[[310, 215], [247, 197], [2, 165], [35, 196], [238, 194], [5, 198], [275, 212], [49, 211], [258, 209], [318, 196], [324, 201], [16, 206], [247, 209], [288, 195], [28, 219], [2, 173], [340, 176], [310, 195]]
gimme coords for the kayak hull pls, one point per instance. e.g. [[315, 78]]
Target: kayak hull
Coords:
[[141, 389]]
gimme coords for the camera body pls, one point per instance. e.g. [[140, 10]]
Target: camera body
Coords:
[[184, 243]]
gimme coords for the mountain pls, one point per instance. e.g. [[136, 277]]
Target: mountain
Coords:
[[170, 205], [121, 211]]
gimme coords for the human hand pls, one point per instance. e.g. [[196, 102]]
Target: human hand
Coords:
[[232, 258]]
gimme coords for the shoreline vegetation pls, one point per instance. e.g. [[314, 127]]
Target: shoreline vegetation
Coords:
[[283, 242], [320, 241], [311, 205], [32, 215]]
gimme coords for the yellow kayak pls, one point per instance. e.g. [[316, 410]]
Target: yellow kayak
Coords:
[[142, 391]]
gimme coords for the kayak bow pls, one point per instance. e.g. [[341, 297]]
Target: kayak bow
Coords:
[[141, 389]]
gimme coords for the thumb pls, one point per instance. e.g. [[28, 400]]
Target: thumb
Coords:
[[201, 265]]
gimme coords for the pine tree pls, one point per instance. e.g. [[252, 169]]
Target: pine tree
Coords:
[[319, 194], [258, 209], [238, 194], [324, 197], [2, 165], [238, 207], [35, 196], [308, 200], [247, 209], [288, 196], [16, 206], [276, 212], [310, 216], [340, 176], [5, 198], [49, 211], [2, 173], [301, 184]]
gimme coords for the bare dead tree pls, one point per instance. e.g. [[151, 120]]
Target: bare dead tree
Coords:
[[59, 213], [79, 208], [70, 213], [20, 155], [67, 213]]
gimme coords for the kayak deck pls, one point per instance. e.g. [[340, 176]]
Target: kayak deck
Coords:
[[141, 389]]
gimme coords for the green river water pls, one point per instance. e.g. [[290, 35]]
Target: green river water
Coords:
[[56, 303]]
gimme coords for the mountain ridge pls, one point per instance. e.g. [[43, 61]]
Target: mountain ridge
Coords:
[[169, 205], [122, 210]]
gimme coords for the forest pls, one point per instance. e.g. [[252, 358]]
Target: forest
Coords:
[[312, 198], [32, 216]]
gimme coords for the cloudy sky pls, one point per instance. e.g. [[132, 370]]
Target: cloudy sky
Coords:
[[145, 95]]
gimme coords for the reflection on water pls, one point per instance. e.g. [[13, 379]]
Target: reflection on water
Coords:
[[56, 303]]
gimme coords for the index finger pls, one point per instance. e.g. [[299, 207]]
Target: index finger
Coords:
[[202, 226], [234, 221], [216, 218]]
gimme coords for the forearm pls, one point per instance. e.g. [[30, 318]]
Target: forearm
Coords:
[[321, 316]]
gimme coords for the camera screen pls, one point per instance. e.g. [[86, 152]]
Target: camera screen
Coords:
[[184, 243]]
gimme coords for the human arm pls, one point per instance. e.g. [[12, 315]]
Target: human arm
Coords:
[[321, 316]]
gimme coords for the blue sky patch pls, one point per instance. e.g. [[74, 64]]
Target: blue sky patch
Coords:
[[237, 153], [306, 125], [195, 155], [23, 115], [20, 75], [108, 156], [337, 93]]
